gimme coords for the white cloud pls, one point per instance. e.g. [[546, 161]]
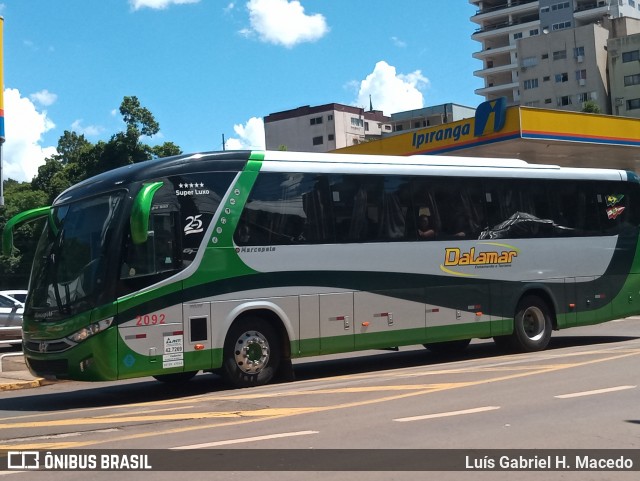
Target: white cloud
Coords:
[[23, 151], [398, 43], [390, 91], [283, 22], [158, 4], [251, 136], [89, 130], [44, 98]]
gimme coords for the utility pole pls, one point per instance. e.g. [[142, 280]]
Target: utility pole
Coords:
[[1, 108], [223, 142]]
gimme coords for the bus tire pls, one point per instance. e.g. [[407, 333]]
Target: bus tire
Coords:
[[251, 353], [448, 347], [531, 325], [176, 377]]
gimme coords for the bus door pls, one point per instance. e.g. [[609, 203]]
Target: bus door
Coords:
[[197, 336], [336, 322], [385, 321]]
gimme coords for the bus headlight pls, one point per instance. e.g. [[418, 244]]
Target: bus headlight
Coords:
[[91, 330]]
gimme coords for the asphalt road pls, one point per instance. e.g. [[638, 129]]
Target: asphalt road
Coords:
[[582, 393]]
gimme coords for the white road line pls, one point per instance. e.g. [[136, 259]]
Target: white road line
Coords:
[[597, 391], [447, 414], [246, 440]]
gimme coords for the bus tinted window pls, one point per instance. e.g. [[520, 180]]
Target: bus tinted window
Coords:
[[181, 212], [286, 209], [370, 208], [453, 208]]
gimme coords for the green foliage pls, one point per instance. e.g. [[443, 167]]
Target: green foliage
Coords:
[[76, 159], [14, 271], [591, 107]]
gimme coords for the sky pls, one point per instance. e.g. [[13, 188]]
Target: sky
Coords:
[[213, 69]]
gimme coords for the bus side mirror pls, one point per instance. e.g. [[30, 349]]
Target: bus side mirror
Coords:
[[140, 212], [15, 221]]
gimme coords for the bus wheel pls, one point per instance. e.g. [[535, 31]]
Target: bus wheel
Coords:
[[448, 347], [531, 326], [176, 377], [251, 353]]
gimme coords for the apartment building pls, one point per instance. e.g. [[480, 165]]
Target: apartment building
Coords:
[[323, 128], [624, 72], [547, 53]]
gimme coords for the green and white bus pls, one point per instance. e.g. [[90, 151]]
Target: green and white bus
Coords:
[[238, 262]]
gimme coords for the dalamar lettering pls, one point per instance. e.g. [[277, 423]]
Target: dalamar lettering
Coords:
[[441, 134], [455, 257]]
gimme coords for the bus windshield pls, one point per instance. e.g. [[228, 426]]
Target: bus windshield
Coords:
[[69, 276]]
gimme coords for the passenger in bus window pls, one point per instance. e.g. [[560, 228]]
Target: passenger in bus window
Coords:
[[425, 231]]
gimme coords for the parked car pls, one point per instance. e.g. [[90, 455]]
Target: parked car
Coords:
[[11, 310], [17, 294]]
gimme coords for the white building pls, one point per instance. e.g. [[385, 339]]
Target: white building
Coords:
[[323, 128], [547, 53]]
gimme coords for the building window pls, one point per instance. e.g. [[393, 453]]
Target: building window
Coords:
[[632, 3], [331, 137], [330, 117], [581, 74], [545, 56], [544, 10], [560, 26], [530, 61], [562, 77], [534, 103], [547, 101], [631, 80], [356, 122], [518, 35], [366, 126], [534, 32], [315, 121], [546, 78], [564, 100], [578, 52], [560, 6], [559, 54], [531, 84], [584, 97], [630, 56], [633, 104], [318, 140]]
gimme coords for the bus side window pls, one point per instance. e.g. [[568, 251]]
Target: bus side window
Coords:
[[285, 208], [460, 207], [159, 254]]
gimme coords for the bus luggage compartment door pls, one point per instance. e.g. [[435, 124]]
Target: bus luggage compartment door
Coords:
[[336, 322]]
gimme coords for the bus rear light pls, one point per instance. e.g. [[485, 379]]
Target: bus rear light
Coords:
[[199, 347], [572, 306]]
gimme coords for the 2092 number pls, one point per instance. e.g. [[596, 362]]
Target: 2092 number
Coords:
[[150, 319]]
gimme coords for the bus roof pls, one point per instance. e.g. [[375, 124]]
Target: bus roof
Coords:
[[282, 161]]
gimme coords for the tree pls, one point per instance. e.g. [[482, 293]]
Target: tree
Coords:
[[591, 107], [75, 160], [20, 197]]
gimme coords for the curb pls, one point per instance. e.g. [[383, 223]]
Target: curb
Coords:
[[13, 386]]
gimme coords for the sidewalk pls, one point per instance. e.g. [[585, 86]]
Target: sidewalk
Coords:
[[15, 375]]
